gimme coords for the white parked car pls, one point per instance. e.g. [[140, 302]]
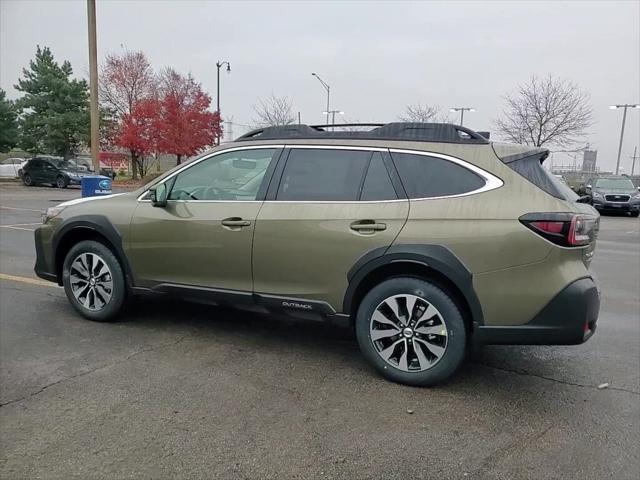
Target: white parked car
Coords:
[[10, 167]]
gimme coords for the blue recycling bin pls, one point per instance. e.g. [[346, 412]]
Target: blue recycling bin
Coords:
[[95, 185]]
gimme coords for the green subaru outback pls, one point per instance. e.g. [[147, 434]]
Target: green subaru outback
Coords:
[[426, 238]]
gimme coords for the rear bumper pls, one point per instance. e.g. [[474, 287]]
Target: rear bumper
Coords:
[[569, 319]]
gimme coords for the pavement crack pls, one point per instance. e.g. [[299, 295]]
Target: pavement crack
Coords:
[[101, 367], [556, 380]]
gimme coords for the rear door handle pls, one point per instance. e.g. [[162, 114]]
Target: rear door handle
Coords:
[[235, 222], [368, 226]]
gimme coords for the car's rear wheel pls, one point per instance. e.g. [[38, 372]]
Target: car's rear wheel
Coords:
[[61, 182], [411, 331], [94, 281], [27, 180]]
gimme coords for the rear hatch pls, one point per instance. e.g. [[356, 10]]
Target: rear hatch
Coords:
[[527, 161]]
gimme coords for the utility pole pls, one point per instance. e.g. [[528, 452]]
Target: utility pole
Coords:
[[624, 119], [93, 85], [462, 110], [633, 164]]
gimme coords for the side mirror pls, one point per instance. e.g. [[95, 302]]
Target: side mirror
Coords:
[[158, 194], [588, 187]]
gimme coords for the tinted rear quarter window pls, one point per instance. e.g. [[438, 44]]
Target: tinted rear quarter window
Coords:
[[424, 176], [531, 169], [323, 175]]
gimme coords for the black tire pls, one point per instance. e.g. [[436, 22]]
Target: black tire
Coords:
[[110, 311], [454, 352], [635, 214], [61, 182], [27, 180]]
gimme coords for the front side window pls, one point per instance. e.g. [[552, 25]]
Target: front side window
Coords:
[[424, 176], [323, 175], [235, 176]]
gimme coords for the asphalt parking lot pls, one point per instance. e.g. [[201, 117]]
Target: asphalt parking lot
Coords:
[[186, 391]]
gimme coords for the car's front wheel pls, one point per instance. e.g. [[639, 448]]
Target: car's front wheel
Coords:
[[27, 180], [411, 331], [94, 281]]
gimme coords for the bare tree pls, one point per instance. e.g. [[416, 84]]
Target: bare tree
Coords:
[[274, 111], [424, 114], [546, 111]]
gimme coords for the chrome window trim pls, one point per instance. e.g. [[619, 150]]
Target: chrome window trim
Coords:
[[491, 181]]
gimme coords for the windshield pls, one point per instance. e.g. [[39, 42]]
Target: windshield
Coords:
[[614, 184]]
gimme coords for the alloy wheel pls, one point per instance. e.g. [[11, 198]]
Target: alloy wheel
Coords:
[[408, 333], [91, 281]]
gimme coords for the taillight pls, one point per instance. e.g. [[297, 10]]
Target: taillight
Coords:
[[564, 229]]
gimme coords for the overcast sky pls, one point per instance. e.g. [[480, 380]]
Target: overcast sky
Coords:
[[377, 57]]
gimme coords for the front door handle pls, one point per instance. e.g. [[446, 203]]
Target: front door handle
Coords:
[[367, 226], [235, 222]]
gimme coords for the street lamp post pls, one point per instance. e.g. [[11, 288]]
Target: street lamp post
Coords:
[[327, 88], [462, 110], [218, 65], [333, 116], [624, 119]]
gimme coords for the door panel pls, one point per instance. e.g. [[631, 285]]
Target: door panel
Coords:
[[187, 243], [304, 250], [203, 237]]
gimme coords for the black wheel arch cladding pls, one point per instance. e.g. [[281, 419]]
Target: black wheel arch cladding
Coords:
[[95, 223], [435, 257]]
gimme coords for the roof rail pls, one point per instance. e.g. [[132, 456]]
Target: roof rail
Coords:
[[418, 132]]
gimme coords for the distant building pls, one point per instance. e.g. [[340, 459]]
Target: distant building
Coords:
[[589, 160]]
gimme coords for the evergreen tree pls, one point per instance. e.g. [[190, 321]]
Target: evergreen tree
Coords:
[[54, 109], [8, 124]]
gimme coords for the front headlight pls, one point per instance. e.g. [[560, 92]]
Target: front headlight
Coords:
[[51, 213], [597, 195]]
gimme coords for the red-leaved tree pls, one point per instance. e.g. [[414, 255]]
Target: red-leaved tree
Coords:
[[125, 80], [185, 124], [139, 132]]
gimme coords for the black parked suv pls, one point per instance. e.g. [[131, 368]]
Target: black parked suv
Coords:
[[612, 193], [54, 171]]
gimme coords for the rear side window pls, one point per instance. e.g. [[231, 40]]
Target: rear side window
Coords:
[[323, 175], [424, 176], [377, 184]]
